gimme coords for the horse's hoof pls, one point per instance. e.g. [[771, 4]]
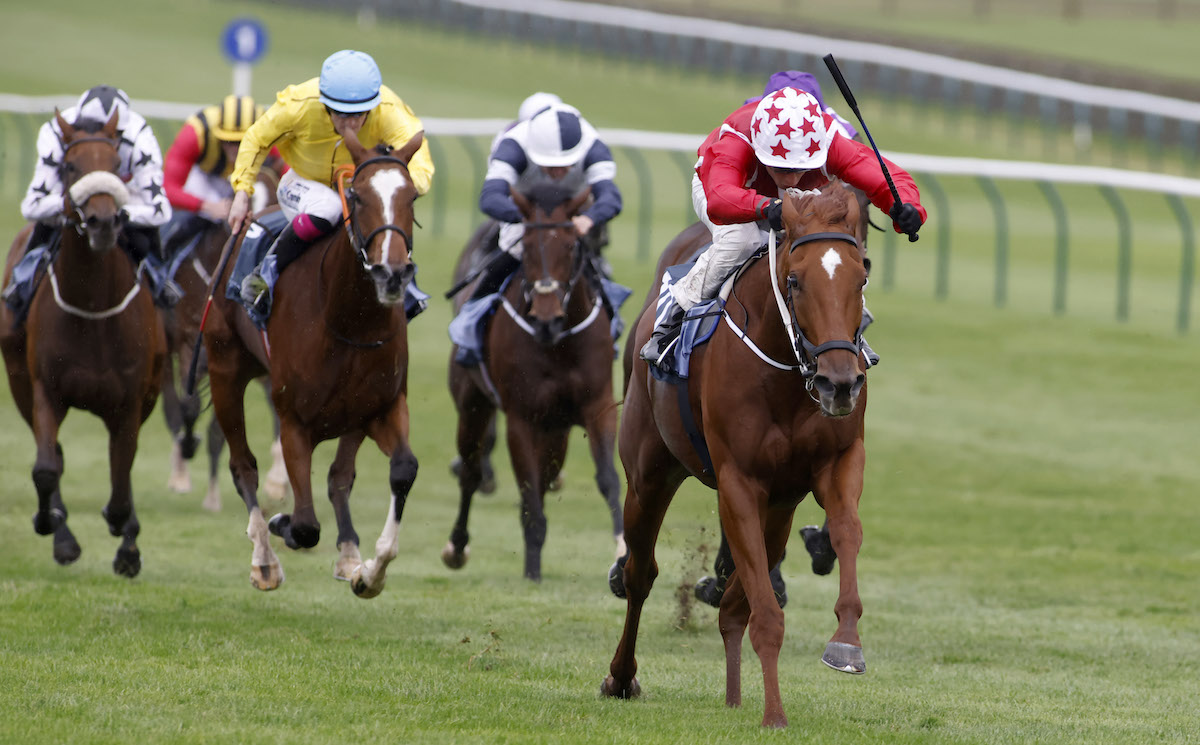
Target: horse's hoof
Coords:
[[710, 591], [343, 570], [266, 577], [115, 523], [616, 577], [845, 658], [187, 445], [610, 688], [67, 551], [775, 721], [454, 558], [278, 524], [360, 588], [556, 484], [778, 586], [817, 543], [45, 523], [127, 562]]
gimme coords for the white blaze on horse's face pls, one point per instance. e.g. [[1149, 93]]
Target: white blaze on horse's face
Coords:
[[386, 183], [830, 261]]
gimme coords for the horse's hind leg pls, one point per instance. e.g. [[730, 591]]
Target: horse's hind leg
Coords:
[[392, 438], [300, 528], [474, 438], [119, 513], [341, 481], [178, 480], [601, 427], [711, 589], [216, 443], [276, 486]]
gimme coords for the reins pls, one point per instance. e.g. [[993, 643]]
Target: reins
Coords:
[[542, 287]]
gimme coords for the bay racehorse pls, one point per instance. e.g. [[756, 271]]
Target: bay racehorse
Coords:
[[182, 411], [778, 396], [336, 348], [547, 364], [92, 340]]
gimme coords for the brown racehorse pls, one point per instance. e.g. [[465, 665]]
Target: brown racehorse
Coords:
[[338, 361], [777, 426], [92, 341], [182, 323], [547, 364]]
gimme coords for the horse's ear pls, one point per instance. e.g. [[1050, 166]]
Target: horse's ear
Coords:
[[578, 201], [411, 147], [523, 204], [358, 153], [67, 130], [110, 129]]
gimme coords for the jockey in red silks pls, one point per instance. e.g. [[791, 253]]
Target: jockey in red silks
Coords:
[[784, 141]]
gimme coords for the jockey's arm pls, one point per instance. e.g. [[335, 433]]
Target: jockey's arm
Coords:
[[44, 198], [399, 125], [856, 164], [601, 172], [272, 126], [729, 201], [148, 205], [181, 156], [504, 169]]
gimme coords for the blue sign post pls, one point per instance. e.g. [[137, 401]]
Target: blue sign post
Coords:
[[244, 43]]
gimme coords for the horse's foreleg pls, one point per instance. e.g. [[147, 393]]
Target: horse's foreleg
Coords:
[[840, 486], [276, 485], [601, 427], [392, 438], [742, 505], [341, 481], [178, 480], [122, 447], [300, 529], [216, 443], [529, 449], [475, 438], [51, 515]]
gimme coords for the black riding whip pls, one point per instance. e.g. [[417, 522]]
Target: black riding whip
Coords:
[[457, 288], [190, 385], [832, 64]]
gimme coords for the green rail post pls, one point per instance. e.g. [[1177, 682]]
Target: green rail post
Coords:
[[1152, 134], [645, 200], [479, 164], [1118, 123], [686, 165], [942, 282], [1124, 250], [441, 185], [1188, 262], [26, 131], [997, 202], [1060, 245]]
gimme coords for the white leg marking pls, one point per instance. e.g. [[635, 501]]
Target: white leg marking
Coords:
[[622, 549], [386, 184], [369, 578], [212, 499], [265, 571], [179, 481], [277, 484], [830, 261]]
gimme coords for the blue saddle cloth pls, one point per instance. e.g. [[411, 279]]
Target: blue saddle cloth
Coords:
[[468, 328], [260, 236]]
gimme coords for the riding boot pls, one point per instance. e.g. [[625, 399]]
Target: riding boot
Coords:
[[665, 333], [145, 246], [497, 270], [288, 247], [27, 272]]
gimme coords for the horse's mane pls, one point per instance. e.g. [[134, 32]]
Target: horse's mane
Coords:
[[89, 125], [548, 196], [831, 206]]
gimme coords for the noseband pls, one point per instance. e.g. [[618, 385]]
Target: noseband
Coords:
[[548, 286], [62, 175], [816, 350], [350, 202]]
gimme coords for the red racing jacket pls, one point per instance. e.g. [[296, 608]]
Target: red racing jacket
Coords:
[[738, 187]]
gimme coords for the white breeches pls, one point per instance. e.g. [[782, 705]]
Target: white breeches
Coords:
[[301, 196], [732, 245], [207, 187]]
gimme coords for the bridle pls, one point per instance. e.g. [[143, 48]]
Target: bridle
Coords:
[[553, 286], [350, 202], [813, 351], [77, 209]]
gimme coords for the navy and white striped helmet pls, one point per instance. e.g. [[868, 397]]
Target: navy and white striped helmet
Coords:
[[558, 136]]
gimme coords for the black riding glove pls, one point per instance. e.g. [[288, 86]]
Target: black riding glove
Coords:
[[906, 217], [774, 214]]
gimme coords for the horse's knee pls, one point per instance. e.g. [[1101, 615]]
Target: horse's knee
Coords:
[[402, 474]]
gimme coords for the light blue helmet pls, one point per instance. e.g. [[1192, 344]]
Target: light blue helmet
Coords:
[[350, 82]]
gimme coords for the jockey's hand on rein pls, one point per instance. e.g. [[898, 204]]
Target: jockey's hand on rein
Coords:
[[774, 214], [906, 218]]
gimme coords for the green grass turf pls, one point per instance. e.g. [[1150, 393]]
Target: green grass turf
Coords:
[[1028, 572]]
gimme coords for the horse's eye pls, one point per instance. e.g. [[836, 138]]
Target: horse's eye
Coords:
[[792, 282]]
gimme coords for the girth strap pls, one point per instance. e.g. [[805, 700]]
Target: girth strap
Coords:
[[689, 426]]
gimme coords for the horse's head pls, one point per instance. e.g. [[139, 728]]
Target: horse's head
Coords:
[[379, 203], [95, 193], [552, 260], [823, 272]]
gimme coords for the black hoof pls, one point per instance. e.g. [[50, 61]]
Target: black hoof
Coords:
[[845, 658], [611, 688], [779, 586], [710, 591], [67, 551], [487, 485], [816, 542], [616, 577], [294, 537], [116, 522], [128, 562], [45, 523], [188, 444]]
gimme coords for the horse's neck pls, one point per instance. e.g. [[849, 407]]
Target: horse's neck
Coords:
[[347, 293], [764, 323], [84, 275]]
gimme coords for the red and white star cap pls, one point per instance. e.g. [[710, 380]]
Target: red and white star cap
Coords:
[[788, 131]]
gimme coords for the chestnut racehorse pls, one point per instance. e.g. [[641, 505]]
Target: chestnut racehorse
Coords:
[[778, 395], [92, 340], [337, 353], [547, 364]]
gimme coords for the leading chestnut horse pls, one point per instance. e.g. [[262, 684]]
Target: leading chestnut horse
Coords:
[[778, 395], [336, 348], [92, 340]]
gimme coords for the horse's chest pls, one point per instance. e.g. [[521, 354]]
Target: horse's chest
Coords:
[[346, 392]]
